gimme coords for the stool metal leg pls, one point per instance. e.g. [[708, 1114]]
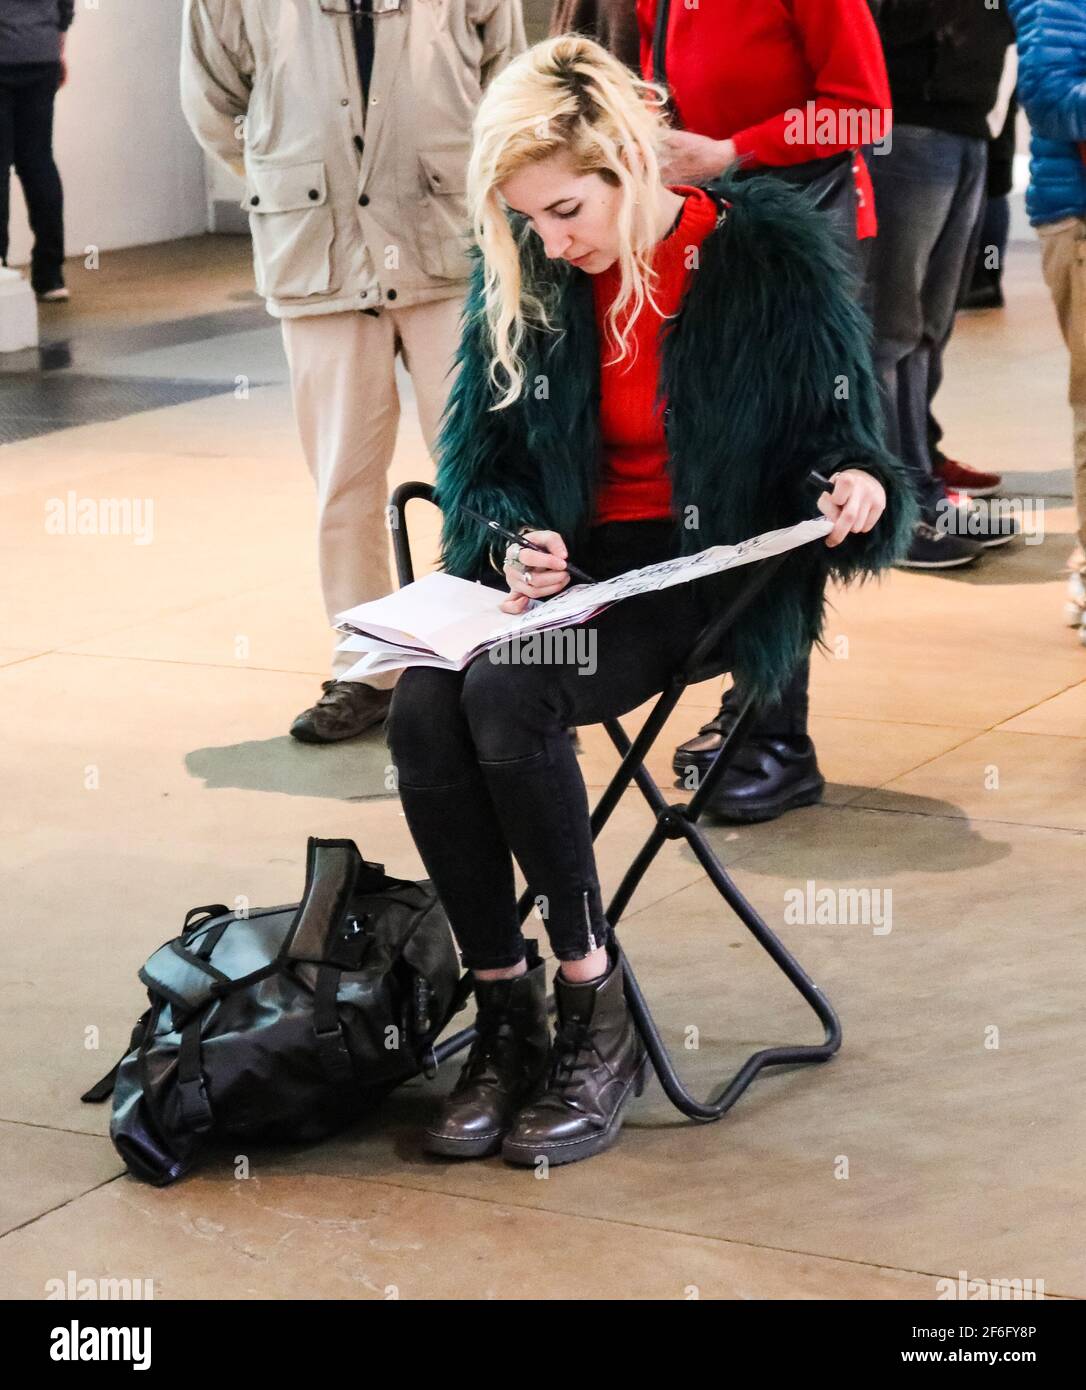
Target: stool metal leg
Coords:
[[674, 821]]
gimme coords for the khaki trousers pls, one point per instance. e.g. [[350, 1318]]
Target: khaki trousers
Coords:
[[347, 408], [1063, 260]]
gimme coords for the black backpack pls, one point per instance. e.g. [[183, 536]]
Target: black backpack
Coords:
[[286, 1022]]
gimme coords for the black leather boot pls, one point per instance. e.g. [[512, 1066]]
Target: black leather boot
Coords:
[[508, 1063], [598, 1063]]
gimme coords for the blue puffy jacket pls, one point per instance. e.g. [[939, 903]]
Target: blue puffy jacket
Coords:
[[1052, 88]]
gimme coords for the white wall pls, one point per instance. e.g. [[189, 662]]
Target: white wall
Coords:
[[132, 172]]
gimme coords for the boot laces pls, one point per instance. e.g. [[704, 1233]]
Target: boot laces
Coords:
[[573, 1045], [495, 1039]]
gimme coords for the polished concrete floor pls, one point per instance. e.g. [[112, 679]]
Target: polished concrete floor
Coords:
[[147, 690]]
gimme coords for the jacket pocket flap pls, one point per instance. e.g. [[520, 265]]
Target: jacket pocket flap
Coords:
[[446, 170], [285, 187]]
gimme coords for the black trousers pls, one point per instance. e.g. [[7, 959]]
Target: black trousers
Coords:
[[487, 772], [27, 95]]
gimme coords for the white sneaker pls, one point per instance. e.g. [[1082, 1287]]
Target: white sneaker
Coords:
[[54, 296]]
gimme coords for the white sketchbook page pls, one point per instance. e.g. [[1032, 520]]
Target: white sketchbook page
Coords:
[[454, 617], [442, 614], [439, 612], [383, 659], [666, 573], [419, 610]]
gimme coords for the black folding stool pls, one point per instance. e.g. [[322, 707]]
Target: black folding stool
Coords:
[[673, 820]]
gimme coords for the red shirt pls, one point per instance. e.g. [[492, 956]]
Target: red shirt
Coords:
[[741, 70], [634, 485]]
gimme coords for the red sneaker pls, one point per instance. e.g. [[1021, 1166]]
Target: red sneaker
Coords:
[[970, 481]]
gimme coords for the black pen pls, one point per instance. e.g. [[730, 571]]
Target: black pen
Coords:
[[528, 545]]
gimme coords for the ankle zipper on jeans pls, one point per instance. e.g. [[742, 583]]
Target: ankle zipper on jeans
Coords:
[[588, 923]]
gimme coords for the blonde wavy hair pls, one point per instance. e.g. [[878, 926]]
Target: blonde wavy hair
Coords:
[[567, 93]]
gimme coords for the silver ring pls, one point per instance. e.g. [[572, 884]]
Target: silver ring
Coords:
[[512, 555], [526, 575]]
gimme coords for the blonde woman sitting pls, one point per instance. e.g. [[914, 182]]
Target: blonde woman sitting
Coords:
[[644, 371]]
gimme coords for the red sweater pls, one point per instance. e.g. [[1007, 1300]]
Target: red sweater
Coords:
[[738, 68], [635, 485]]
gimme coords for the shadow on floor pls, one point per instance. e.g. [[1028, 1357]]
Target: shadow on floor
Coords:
[[891, 843], [1016, 563], [358, 770]]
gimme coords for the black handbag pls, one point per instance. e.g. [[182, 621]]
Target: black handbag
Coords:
[[285, 1023]]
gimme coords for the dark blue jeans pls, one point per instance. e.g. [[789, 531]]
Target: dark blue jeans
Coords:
[[27, 94], [928, 191], [486, 769]]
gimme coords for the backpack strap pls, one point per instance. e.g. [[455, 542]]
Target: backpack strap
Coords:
[[102, 1090], [327, 1030], [211, 910], [195, 1109]]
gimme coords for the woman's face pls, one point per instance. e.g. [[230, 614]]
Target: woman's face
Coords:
[[575, 215]]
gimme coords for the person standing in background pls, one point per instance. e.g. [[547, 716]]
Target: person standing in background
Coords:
[[350, 123], [984, 287], [612, 23], [32, 36], [946, 60], [1052, 89], [789, 88]]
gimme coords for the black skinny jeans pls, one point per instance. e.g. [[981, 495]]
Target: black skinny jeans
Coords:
[[486, 770]]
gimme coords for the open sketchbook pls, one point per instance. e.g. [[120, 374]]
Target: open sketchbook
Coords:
[[444, 621]]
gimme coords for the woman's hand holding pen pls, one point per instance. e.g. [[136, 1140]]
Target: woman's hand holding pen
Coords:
[[855, 504], [535, 573]]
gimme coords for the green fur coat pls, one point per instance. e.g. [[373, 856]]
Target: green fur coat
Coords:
[[765, 372]]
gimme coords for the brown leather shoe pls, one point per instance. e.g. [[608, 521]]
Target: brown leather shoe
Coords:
[[344, 710], [507, 1064], [598, 1063]]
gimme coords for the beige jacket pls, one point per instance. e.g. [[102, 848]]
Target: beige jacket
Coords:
[[349, 209]]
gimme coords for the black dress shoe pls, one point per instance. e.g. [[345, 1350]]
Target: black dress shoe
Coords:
[[344, 710], [987, 295], [695, 757], [767, 777]]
